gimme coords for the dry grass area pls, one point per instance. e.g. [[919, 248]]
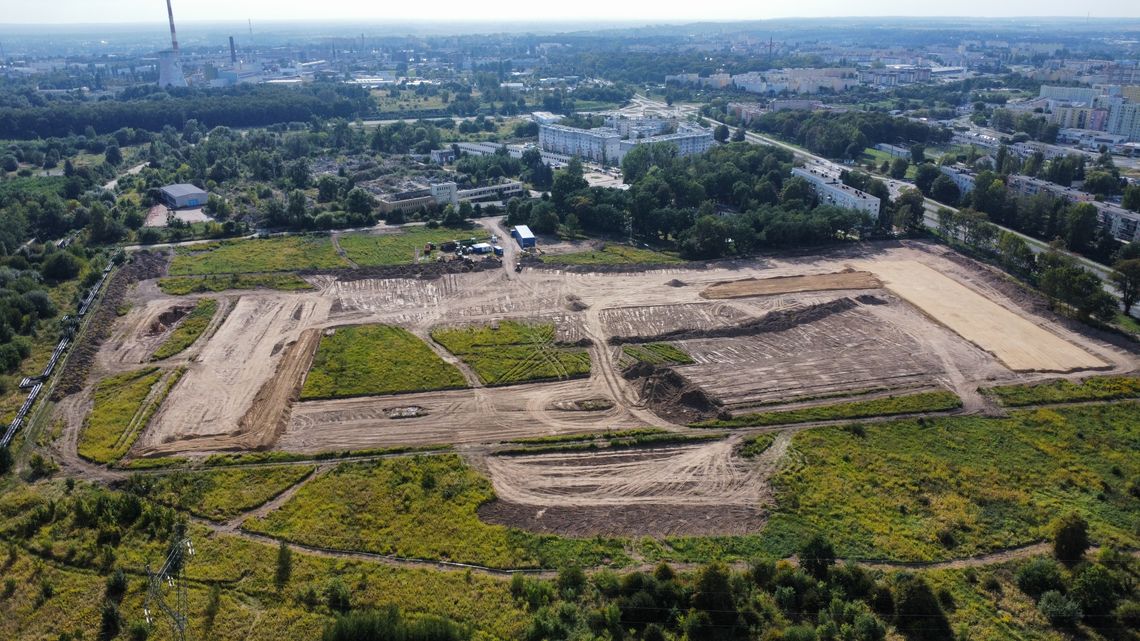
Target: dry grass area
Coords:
[[791, 284], [1022, 345]]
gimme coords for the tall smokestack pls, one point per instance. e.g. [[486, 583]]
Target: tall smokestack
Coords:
[[173, 35], [233, 51]]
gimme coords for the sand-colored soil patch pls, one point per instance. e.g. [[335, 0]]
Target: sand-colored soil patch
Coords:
[[1014, 340]]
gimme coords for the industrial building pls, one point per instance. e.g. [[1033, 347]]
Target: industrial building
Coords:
[[183, 196], [833, 192], [447, 193], [523, 236]]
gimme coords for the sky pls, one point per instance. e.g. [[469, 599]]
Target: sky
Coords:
[[657, 11]]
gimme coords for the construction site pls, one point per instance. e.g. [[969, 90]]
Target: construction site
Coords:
[[654, 348]]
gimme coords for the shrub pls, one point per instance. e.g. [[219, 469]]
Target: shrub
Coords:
[[817, 556], [918, 615], [1060, 610], [337, 596], [387, 624], [1095, 589], [1038, 577], [116, 586]]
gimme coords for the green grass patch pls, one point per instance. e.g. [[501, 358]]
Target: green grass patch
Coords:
[[182, 285], [1100, 388], [219, 495], [757, 445], [156, 463], [570, 438], [892, 405], [188, 330], [420, 507], [113, 424], [369, 360], [955, 487], [614, 255], [513, 352], [278, 254], [376, 250], [1127, 323], [658, 354]]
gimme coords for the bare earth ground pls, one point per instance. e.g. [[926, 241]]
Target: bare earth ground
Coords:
[[1019, 343], [791, 284], [936, 325]]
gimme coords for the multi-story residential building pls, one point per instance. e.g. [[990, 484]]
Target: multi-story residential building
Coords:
[[605, 146], [833, 192], [747, 112], [1124, 120], [1084, 95], [962, 177], [601, 145], [1124, 225]]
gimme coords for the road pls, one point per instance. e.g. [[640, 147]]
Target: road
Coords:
[[931, 207]]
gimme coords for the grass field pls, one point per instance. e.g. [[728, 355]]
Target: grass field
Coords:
[[376, 359], [1101, 388], [376, 250], [658, 354], [614, 255], [279, 254], [111, 427], [69, 553], [514, 352], [220, 494], [182, 285], [418, 507], [955, 487], [888, 406], [757, 445], [188, 330]]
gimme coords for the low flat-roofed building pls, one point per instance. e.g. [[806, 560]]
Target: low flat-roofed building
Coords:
[[183, 196]]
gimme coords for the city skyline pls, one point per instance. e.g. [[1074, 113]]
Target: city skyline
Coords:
[[144, 11]]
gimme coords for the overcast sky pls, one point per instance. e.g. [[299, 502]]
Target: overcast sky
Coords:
[[88, 11]]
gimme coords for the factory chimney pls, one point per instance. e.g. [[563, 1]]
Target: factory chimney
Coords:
[[173, 35], [233, 51], [169, 65]]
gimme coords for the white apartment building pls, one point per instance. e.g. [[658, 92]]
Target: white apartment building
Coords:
[[833, 192], [601, 145], [962, 177], [604, 145]]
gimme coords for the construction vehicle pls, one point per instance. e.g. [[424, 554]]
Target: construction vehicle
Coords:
[[518, 267]]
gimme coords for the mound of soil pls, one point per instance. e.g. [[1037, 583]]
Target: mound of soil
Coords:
[[410, 411], [676, 283], [588, 405], [777, 321], [143, 265], [422, 271], [869, 299], [672, 396], [575, 304], [167, 319]]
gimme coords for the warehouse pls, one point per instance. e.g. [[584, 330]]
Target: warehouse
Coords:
[[524, 236], [183, 196]]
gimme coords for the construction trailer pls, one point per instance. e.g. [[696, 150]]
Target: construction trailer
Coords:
[[523, 236]]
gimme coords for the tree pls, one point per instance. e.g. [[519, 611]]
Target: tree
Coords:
[[918, 615], [1067, 283], [359, 201], [1126, 276], [110, 621], [61, 266], [910, 210], [898, 168], [295, 209], [817, 556], [918, 153], [738, 135], [925, 176], [5, 460], [1131, 197], [1080, 227], [1070, 538], [284, 565], [113, 155], [944, 190], [299, 174], [720, 134], [337, 596]]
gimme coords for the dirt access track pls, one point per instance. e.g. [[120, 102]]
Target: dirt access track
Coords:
[[935, 325]]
